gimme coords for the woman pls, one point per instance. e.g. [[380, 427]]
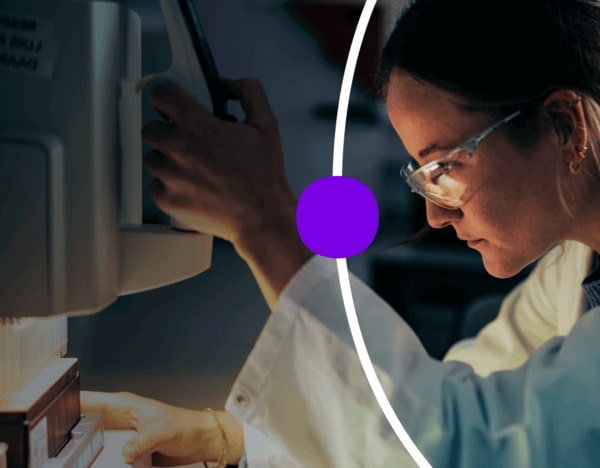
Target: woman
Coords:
[[499, 106]]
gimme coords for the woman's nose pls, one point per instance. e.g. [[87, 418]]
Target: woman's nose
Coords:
[[438, 217]]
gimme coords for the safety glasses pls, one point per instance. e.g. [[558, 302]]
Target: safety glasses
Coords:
[[434, 181]]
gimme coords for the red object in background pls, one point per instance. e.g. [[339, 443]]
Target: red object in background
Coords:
[[334, 23]]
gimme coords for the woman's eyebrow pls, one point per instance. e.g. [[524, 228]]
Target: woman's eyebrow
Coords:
[[431, 148]]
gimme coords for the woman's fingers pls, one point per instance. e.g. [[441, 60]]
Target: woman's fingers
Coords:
[[164, 170], [253, 99], [150, 442], [143, 444], [161, 166], [159, 135], [169, 99], [164, 197]]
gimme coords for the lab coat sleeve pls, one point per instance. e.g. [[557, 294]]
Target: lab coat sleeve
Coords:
[[303, 387], [260, 452], [546, 304]]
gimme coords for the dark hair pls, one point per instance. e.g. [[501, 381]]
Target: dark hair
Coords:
[[500, 55], [498, 51]]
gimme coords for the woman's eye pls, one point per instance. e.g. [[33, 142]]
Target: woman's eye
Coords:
[[446, 166], [441, 169]]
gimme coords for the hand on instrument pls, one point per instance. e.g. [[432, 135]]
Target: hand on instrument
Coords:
[[223, 178], [228, 179], [174, 435]]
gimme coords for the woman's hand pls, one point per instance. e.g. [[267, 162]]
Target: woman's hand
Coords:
[[219, 177], [227, 179], [175, 436]]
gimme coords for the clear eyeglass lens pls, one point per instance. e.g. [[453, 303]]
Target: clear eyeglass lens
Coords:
[[435, 181]]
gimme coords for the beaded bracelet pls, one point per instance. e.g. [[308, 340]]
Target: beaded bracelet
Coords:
[[221, 462]]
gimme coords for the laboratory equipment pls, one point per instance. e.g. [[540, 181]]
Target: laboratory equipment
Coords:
[[72, 236]]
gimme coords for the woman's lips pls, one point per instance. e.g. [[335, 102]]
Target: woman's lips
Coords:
[[471, 241], [474, 242]]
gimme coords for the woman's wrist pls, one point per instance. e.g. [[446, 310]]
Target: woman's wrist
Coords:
[[273, 251], [234, 435], [218, 435]]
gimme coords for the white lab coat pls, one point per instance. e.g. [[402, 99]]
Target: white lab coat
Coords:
[[304, 389]]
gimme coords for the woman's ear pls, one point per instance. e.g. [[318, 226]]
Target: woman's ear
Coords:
[[565, 108]]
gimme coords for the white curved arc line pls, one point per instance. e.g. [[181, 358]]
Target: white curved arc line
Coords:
[[338, 158], [369, 370]]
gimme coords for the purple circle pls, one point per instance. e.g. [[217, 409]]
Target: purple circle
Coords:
[[337, 217]]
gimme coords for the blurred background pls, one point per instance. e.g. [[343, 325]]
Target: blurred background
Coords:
[[185, 343]]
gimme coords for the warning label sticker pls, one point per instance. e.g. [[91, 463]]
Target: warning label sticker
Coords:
[[27, 44]]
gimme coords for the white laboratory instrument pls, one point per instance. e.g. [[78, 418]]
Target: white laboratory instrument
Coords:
[[72, 238]]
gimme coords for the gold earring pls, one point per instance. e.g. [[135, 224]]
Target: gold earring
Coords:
[[575, 164]]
